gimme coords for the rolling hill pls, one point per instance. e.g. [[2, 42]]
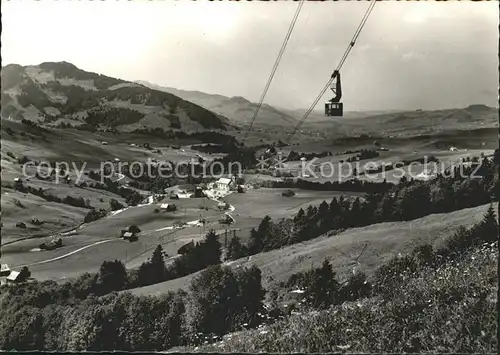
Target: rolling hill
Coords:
[[61, 94], [382, 240], [236, 108]]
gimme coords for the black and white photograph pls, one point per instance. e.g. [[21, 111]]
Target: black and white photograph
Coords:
[[290, 176]]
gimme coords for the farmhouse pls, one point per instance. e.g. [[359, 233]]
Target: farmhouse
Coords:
[[130, 236], [15, 277], [223, 184], [168, 207], [222, 206]]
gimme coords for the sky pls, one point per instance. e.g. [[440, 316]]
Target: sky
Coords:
[[410, 55]]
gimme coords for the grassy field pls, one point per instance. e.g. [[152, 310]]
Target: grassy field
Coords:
[[154, 226], [19, 207], [87, 247], [380, 242], [252, 206]]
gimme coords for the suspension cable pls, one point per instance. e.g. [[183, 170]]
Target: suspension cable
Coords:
[[275, 67], [339, 66]]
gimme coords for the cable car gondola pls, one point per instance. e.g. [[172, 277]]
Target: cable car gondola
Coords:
[[334, 107]]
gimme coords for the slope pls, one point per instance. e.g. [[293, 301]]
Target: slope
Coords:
[[383, 241], [62, 94], [236, 108]]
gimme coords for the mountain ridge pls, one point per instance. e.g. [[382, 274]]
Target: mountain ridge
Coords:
[[59, 93], [236, 108]]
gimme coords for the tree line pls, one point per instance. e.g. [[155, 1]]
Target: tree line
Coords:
[[48, 316], [408, 200]]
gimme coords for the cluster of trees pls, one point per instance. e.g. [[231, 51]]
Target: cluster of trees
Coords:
[[202, 255], [31, 94], [131, 196], [354, 185], [322, 289], [40, 192], [112, 116], [408, 200], [379, 169], [94, 215], [33, 124], [207, 119], [115, 205], [363, 154], [48, 316], [293, 156], [244, 156]]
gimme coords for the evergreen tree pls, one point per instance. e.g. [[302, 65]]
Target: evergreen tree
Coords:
[[354, 217], [158, 268], [258, 237], [488, 228], [235, 249], [214, 297], [250, 296], [255, 244], [357, 287], [112, 276], [321, 286], [211, 249], [299, 217], [324, 217], [24, 273]]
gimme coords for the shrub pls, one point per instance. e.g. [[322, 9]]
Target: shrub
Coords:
[[94, 215], [115, 205], [134, 229]]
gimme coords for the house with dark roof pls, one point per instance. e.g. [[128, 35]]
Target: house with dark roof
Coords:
[[130, 236], [15, 277]]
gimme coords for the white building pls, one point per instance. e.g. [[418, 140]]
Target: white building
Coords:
[[223, 184], [13, 276]]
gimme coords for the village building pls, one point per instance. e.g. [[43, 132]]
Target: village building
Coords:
[[4, 270], [222, 206], [130, 236], [168, 207], [224, 184], [15, 277]]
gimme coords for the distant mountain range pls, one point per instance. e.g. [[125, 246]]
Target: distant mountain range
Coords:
[[58, 94], [62, 94], [236, 108]]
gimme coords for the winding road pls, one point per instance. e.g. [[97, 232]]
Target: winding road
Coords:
[[144, 233]]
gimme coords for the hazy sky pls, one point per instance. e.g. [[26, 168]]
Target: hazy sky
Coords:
[[409, 55]]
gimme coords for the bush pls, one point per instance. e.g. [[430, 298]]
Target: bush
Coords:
[[134, 229], [94, 215], [222, 300], [115, 205]]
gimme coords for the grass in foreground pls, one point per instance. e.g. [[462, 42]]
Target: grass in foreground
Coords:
[[448, 309]]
